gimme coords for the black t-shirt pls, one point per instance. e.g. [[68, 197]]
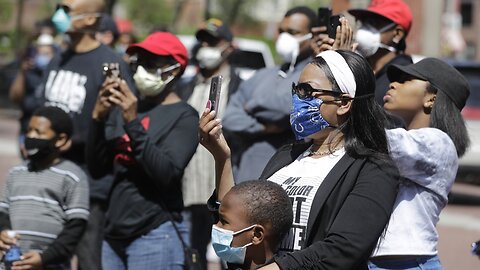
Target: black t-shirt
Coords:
[[71, 82], [149, 155]]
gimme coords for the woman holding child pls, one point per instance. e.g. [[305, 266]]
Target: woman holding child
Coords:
[[338, 174]]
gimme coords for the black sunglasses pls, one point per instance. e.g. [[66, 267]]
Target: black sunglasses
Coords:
[[305, 90], [64, 7]]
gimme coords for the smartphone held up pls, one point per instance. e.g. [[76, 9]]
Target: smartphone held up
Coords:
[[111, 70], [331, 22], [214, 96]]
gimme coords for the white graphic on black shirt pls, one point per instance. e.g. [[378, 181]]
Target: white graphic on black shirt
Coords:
[[298, 195], [66, 89]]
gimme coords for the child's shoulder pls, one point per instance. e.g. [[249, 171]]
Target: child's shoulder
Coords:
[[18, 168], [69, 169]]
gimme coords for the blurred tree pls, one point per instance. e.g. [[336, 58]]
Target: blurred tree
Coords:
[[232, 10], [6, 10], [313, 4], [150, 14]]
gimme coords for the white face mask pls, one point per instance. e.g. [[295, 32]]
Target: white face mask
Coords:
[[288, 46], [210, 57], [369, 40], [149, 84]]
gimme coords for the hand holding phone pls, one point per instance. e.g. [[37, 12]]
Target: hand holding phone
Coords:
[[333, 23], [214, 96], [111, 71], [323, 17]]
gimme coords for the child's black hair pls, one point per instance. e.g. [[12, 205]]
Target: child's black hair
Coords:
[[267, 203], [60, 121]]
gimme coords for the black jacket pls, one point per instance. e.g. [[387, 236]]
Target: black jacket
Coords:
[[348, 215]]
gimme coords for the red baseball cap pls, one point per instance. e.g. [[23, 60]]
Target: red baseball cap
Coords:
[[395, 10], [165, 44]]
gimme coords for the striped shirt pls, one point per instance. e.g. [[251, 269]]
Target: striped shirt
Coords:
[[39, 203]]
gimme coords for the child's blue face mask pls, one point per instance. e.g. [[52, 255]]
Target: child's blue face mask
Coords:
[[221, 241], [305, 117]]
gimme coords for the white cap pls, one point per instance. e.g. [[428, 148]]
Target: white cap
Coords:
[[45, 40], [11, 234]]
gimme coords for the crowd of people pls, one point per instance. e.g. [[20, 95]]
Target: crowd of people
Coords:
[[340, 157]]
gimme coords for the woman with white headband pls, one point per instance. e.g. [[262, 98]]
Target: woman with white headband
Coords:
[[338, 174]]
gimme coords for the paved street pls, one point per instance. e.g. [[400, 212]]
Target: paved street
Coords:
[[459, 224]]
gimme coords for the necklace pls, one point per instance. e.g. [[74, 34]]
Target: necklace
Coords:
[[324, 152]]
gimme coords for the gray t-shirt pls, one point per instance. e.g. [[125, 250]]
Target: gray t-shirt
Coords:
[[39, 203]]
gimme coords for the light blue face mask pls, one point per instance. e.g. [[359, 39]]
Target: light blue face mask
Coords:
[[61, 20], [221, 241], [41, 60]]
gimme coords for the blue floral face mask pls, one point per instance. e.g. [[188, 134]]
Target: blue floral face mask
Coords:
[[305, 117], [221, 241]]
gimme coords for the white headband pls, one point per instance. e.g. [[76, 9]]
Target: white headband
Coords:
[[341, 71]]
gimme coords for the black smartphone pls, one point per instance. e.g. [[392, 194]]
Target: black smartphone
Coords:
[[333, 23], [215, 88], [323, 17], [111, 70]]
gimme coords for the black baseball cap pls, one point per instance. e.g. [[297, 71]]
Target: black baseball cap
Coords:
[[108, 24], [214, 28], [441, 75]]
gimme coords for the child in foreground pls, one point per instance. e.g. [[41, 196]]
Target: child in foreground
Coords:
[[253, 218]]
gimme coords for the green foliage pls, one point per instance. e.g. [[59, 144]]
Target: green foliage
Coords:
[[313, 4], [6, 10], [150, 13]]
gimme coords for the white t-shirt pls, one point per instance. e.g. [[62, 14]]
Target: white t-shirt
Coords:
[[428, 161], [301, 180]]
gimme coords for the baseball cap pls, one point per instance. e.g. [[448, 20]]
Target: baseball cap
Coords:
[[45, 40], [108, 24], [165, 44], [214, 28], [395, 10], [441, 75]]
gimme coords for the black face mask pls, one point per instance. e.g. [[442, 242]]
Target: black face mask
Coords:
[[37, 149]]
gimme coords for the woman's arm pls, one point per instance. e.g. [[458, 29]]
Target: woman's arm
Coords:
[[426, 156], [211, 137], [164, 160], [97, 153]]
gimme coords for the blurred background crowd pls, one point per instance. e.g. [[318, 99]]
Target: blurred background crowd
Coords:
[[447, 29]]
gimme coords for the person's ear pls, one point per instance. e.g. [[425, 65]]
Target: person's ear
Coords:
[[228, 51], [399, 34], [63, 142], [428, 102], [345, 105], [91, 19], [258, 235]]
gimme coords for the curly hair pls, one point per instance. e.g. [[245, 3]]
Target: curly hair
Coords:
[[266, 203], [60, 121]]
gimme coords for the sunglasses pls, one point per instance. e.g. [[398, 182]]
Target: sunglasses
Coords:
[[151, 66], [305, 90], [64, 7]]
